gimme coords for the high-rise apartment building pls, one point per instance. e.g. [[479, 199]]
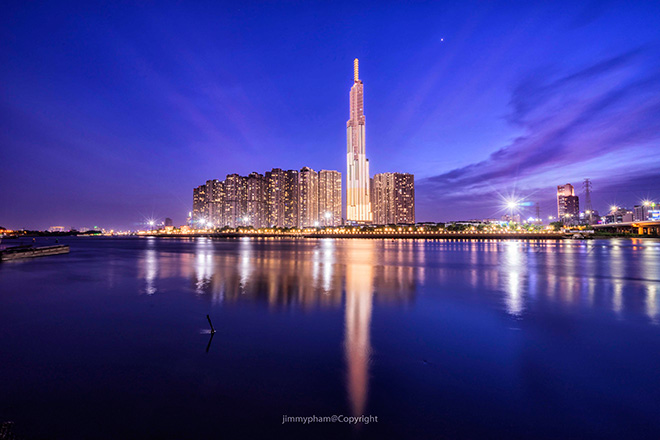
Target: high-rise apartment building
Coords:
[[309, 198], [404, 197], [215, 197], [199, 211], [274, 193], [235, 205], [568, 204], [291, 199], [329, 198], [358, 203], [382, 198], [255, 210], [393, 198]]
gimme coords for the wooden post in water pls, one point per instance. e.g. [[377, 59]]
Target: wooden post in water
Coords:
[[211, 324]]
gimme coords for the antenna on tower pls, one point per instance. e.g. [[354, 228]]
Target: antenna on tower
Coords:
[[355, 70]]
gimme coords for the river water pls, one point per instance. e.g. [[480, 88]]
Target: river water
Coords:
[[436, 339]]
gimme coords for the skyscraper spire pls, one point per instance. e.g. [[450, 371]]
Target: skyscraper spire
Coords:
[[356, 78]]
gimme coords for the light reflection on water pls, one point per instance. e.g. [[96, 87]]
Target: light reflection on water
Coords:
[[359, 294], [355, 273], [315, 272]]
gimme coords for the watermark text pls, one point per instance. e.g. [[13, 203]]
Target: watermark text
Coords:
[[351, 420]]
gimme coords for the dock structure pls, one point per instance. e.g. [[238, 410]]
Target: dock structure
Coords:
[[16, 252]]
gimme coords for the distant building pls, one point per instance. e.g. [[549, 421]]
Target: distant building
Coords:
[[512, 218], [568, 206], [653, 211], [329, 198], [393, 198], [640, 212], [619, 215], [646, 211], [57, 229], [168, 222], [590, 217]]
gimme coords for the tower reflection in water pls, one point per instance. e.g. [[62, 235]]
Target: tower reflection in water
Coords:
[[309, 274], [359, 293]]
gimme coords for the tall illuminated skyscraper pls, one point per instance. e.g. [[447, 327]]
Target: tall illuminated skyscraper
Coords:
[[358, 203]]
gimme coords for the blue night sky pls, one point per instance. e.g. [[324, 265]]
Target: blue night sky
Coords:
[[111, 112]]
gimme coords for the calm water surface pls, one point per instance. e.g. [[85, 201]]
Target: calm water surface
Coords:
[[438, 339]]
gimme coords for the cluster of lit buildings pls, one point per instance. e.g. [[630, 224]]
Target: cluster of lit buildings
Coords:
[[307, 198], [647, 211], [278, 198], [568, 210]]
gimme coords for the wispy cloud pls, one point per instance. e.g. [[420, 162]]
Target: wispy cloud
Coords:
[[570, 121]]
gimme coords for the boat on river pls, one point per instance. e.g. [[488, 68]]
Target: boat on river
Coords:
[[29, 251]]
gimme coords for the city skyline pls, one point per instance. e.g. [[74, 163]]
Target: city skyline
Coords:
[[103, 125]]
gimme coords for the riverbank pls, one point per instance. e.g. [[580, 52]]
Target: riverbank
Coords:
[[376, 235]]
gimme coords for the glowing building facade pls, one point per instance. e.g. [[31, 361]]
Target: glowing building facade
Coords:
[[358, 203], [568, 204], [291, 199], [309, 198], [329, 198], [274, 193], [255, 212], [393, 198], [199, 211]]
